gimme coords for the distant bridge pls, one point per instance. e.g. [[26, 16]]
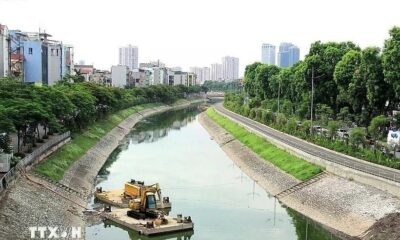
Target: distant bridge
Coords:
[[215, 95]]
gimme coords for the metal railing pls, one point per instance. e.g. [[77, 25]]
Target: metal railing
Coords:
[[30, 158]]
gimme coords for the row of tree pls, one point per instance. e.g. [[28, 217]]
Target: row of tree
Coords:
[[354, 142], [347, 80], [25, 109]]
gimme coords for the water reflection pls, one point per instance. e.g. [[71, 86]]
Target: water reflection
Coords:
[[174, 150], [308, 229], [152, 130]]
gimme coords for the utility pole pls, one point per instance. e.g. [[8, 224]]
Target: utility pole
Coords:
[[312, 98]]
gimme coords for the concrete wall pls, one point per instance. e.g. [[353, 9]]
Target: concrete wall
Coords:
[[119, 76], [54, 63], [337, 169], [4, 51]]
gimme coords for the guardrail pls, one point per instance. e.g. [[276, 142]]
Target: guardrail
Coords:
[[30, 158]]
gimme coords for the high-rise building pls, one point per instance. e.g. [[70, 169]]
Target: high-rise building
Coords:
[[230, 68], [199, 73], [206, 74], [216, 71], [128, 56], [268, 54], [288, 54], [294, 55]]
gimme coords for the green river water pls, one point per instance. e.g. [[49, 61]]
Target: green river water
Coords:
[[174, 150]]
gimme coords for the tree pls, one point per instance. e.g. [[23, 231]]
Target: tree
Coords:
[[323, 112], [390, 62], [249, 79], [333, 127], [344, 73], [357, 136], [358, 92], [323, 58], [377, 126], [6, 124], [263, 77], [378, 91]]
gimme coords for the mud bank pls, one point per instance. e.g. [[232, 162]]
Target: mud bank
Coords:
[[343, 206], [33, 201]]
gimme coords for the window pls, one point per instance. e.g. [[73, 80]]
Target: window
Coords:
[[57, 52], [30, 50]]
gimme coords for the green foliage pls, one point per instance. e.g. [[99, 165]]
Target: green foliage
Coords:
[[56, 165], [280, 119], [377, 126], [291, 126], [357, 137], [390, 61], [323, 113], [333, 127], [290, 164], [70, 104]]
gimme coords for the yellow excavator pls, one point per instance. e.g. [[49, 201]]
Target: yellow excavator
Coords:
[[142, 201]]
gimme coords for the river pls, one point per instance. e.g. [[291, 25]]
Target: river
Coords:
[[173, 149]]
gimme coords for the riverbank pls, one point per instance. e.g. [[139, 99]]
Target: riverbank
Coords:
[[347, 208], [33, 201], [55, 166]]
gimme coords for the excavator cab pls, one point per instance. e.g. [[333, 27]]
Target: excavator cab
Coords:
[[151, 201]]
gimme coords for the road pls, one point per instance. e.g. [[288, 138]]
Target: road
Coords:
[[366, 167]]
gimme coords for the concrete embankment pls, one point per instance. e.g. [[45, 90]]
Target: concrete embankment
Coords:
[[345, 207], [80, 176], [34, 202]]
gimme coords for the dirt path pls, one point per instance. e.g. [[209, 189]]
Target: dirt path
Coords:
[[350, 208]]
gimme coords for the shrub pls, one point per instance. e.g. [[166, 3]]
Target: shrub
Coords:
[[252, 113], [291, 126], [281, 119], [258, 114], [357, 136], [246, 111]]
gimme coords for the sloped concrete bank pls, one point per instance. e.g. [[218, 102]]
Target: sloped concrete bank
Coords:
[[345, 207], [35, 202], [80, 176]]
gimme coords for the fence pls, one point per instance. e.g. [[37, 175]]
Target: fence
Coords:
[[30, 158]]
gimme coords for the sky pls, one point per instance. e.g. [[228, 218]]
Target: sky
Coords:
[[199, 32]]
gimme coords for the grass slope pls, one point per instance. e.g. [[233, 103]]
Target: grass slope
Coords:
[[290, 164], [56, 165]]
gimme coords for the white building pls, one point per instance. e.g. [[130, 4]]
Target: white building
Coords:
[[268, 54], [176, 68], [230, 68], [128, 56], [199, 73], [4, 51], [216, 72], [119, 75], [206, 74]]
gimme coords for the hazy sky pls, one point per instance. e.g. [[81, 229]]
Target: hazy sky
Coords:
[[199, 32]]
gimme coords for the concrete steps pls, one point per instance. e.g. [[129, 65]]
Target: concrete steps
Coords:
[[301, 185]]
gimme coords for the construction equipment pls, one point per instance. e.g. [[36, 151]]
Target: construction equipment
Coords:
[[143, 200], [132, 190]]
